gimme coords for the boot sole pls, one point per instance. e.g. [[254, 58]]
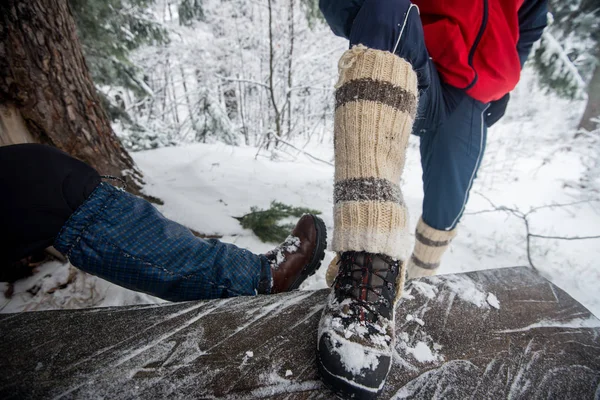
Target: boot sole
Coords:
[[317, 256]]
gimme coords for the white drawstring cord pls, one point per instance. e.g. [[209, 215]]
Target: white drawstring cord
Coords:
[[404, 25]]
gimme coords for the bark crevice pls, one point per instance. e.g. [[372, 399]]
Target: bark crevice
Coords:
[[44, 76]]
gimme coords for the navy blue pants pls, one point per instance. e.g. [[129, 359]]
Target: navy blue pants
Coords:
[[449, 123]]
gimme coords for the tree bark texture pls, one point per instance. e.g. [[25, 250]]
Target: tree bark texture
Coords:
[[43, 75], [529, 340]]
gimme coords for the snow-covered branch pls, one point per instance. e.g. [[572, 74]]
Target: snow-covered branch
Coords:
[[524, 217]]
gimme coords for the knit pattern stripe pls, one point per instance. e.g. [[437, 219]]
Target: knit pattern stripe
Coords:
[[423, 264], [429, 242], [366, 189], [367, 89]]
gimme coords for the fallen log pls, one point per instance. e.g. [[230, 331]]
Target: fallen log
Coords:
[[503, 333]]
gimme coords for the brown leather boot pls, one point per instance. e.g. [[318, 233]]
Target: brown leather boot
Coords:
[[299, 256]]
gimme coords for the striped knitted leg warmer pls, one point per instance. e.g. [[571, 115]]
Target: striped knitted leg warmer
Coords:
[[376, 102], [430, 246]]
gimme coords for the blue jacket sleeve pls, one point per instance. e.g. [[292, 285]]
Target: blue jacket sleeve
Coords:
[[532, 21], [340, 14]]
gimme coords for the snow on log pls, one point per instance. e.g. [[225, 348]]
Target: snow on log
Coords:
[[503, 333]]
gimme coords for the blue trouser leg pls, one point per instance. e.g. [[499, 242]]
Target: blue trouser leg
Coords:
[[377, 24], [449, 122], [451, 154], [125, 240]]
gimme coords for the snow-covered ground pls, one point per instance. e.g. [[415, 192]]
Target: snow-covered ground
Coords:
[[530, 162]]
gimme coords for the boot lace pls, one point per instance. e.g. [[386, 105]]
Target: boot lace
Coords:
[[359, 286]]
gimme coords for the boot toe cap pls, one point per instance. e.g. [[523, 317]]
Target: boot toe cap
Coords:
[[351, 370]]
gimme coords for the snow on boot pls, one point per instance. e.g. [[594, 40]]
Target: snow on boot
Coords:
[[299, 256], [356, 332]]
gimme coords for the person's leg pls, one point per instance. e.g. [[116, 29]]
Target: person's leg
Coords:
[[41, 187], [450, 155], [394, 26], [340, 14], [124, 239], [376, 103]]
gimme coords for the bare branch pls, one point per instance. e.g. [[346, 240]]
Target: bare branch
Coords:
[[322, 88], [565, 237], [524, 217], [249, 81], [299, 150], [534, 209], [482, 212]]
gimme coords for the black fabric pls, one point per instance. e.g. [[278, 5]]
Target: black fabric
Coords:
[[496, 110], [340, 14], [40, 187]]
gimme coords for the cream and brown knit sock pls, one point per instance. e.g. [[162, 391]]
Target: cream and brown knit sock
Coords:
[[376, 102], [430, 246]]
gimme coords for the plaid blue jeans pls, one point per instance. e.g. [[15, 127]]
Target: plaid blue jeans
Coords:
[[125, 240]]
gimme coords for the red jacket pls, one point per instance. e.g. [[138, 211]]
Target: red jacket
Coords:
[[474, 43]]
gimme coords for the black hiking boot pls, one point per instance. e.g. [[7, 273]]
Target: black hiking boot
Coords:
[[356, 332]]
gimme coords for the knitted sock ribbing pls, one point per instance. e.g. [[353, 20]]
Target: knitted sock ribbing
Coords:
[[430, 246], [376, 100]]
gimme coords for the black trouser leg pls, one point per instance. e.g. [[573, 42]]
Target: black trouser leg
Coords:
[[40, 187]]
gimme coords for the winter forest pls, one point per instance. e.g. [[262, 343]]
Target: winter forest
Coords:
[[224, 108]]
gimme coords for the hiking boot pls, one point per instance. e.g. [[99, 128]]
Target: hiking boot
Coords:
[[299, 256], [356, 332]]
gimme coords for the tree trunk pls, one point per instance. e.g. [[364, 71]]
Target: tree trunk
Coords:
[[187, 99], [44, 78], [290, 59], [592, 109], [271, 76]]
